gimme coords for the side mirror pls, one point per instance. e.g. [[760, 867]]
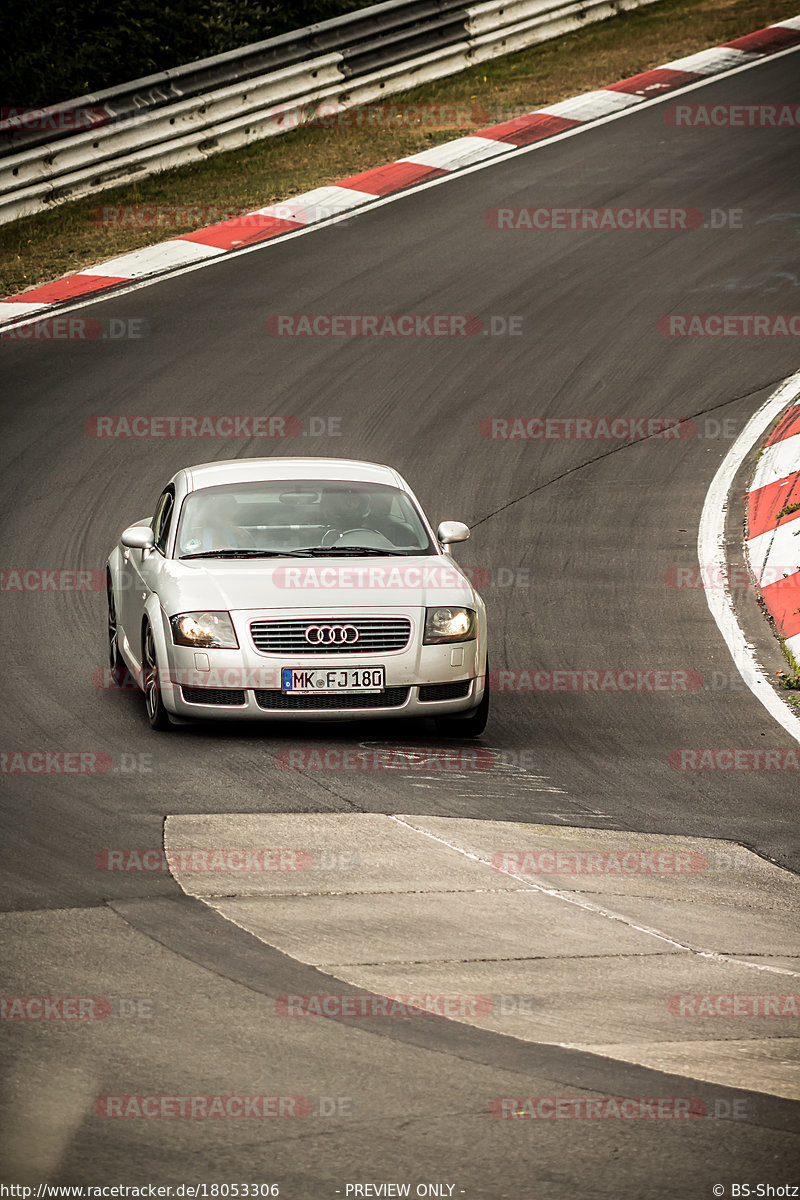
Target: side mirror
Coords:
[[138, 537], [452, 531]]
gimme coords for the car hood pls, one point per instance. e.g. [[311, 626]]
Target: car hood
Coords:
[[314, 583]]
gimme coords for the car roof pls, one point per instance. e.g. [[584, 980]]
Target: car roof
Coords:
[[257, 470]]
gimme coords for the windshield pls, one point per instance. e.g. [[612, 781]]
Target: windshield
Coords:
[[283, 517]]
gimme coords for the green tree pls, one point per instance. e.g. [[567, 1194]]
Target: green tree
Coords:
[[54, 51]]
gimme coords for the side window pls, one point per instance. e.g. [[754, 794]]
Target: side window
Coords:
[[162, 519]]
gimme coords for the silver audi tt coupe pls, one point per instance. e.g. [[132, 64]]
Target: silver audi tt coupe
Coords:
[[286, 588]]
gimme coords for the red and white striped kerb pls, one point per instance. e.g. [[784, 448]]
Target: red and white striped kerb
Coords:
[[773, 541], [311, 207]]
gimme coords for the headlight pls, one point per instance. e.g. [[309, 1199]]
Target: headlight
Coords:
[[204, 629], [449, 625]]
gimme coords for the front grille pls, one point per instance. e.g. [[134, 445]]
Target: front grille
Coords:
[[444, 691], [376, 635], [390, 698], [227, 696]]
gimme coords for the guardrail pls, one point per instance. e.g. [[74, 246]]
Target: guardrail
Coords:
[[67, 151]]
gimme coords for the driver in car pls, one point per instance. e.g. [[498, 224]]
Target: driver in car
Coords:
[[343, 510]]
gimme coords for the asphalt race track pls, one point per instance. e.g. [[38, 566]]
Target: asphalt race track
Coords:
[[583, 539]]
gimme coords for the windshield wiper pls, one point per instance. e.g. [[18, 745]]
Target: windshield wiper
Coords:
[[247, 554], [303, 552], [345, 551]]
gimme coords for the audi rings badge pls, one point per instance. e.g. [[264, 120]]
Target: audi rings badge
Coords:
[[331, 635]]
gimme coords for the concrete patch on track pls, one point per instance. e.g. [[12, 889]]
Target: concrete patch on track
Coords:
[[675, 954]]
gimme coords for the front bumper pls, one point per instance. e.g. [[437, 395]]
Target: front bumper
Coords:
[[421, 680]]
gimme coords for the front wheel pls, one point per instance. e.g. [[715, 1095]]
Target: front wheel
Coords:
[[157, 714], [119, 671], [473, 723]]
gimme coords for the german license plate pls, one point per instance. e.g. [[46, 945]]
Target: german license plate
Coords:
[[333, 679]]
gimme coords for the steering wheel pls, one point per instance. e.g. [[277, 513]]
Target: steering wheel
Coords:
[[245, 539], [363, 537]]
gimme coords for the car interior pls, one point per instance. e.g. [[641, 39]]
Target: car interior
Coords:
[[292, 520]]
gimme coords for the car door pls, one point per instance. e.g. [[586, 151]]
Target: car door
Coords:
[[141, 570]]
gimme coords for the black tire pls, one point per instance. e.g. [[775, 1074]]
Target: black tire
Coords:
[[471, 724], [119, 671], [157, 714]]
